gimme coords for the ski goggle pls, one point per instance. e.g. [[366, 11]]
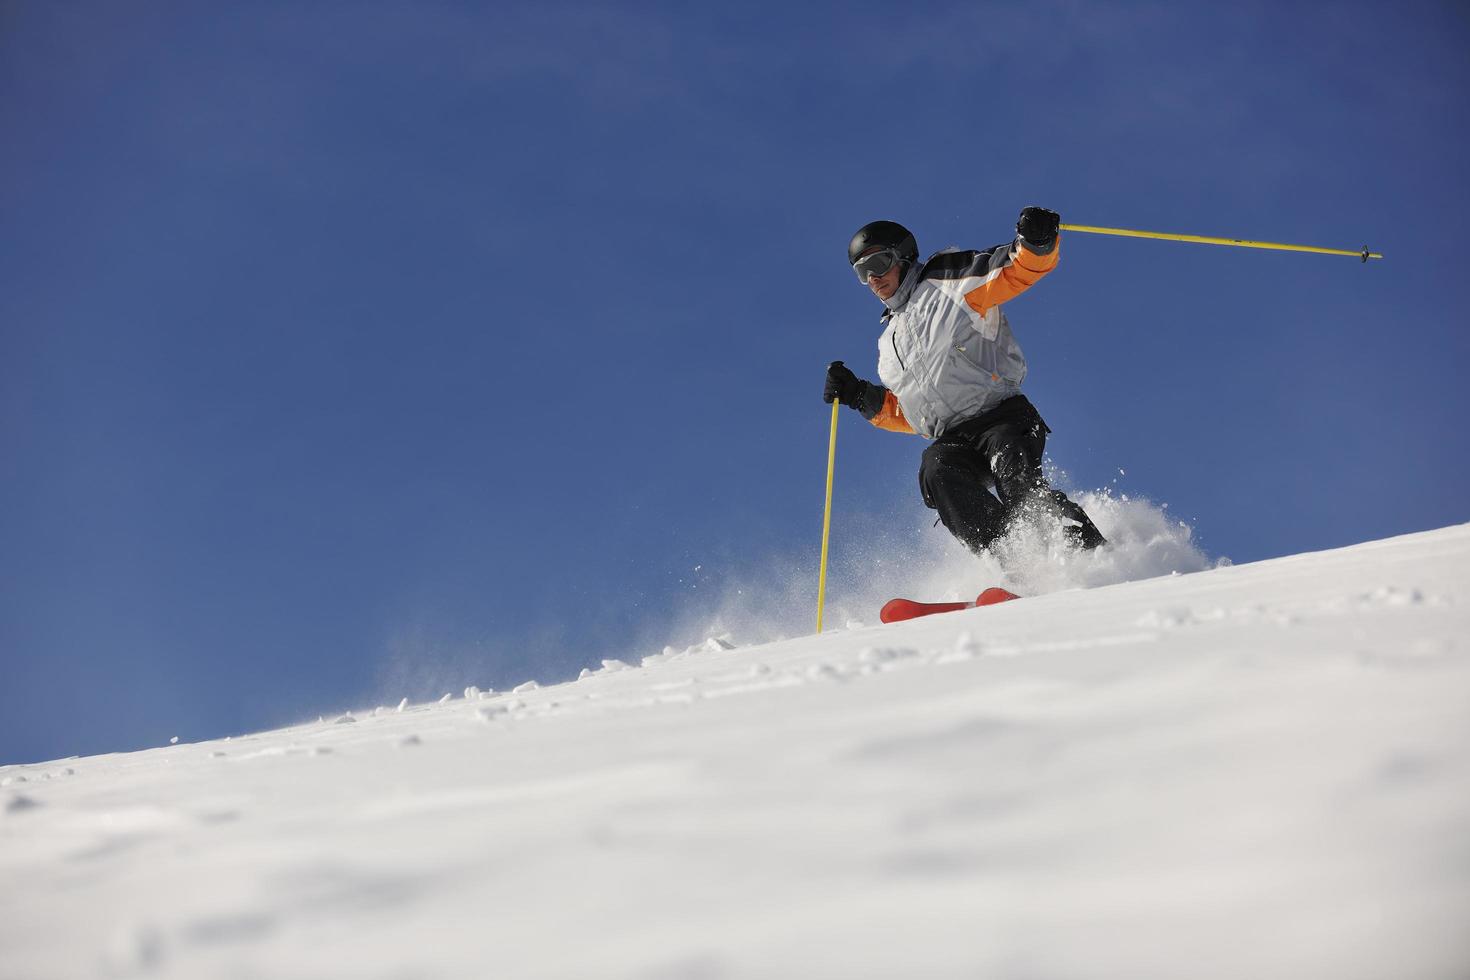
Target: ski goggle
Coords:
[[876, 264]]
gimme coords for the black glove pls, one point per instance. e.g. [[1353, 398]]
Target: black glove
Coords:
[[1039, 227], [842, 385], [847, 388]]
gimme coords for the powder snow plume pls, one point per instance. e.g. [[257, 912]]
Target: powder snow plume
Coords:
[[878, 557]]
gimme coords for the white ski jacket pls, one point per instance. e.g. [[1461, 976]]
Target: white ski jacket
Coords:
[[947, 354]]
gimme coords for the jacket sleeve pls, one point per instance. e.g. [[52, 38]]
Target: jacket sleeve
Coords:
[[890, 416], [1009, 272], [880, 406]]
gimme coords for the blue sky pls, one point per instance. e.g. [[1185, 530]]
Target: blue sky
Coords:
[[336, 338]]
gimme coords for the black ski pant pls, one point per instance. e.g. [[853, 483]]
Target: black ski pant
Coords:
[[986, 473]]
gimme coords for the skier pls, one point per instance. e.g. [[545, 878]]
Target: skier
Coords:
[[952, 372]]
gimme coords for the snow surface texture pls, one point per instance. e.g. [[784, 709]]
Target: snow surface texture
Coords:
[[1254, 771]]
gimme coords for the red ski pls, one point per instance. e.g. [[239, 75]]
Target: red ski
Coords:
[[897, 610]]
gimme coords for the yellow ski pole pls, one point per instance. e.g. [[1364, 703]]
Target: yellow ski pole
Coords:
[[1364, 254], [827, 515]]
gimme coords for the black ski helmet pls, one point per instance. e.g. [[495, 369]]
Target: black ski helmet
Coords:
[[885, 234]]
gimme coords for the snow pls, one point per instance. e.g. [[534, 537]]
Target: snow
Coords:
[[1250, 771], [1144, 541]]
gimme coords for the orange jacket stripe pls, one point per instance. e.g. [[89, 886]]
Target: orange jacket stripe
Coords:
[[890, 416], [1022, 272]]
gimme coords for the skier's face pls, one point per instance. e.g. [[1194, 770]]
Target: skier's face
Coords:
[[886, 285]]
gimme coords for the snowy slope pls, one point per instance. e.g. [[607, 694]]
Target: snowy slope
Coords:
[[1257, 771]]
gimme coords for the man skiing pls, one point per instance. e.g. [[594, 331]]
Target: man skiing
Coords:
[[951, 371]]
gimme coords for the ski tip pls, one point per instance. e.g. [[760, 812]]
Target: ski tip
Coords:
[[993, 595], [897, 610]]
